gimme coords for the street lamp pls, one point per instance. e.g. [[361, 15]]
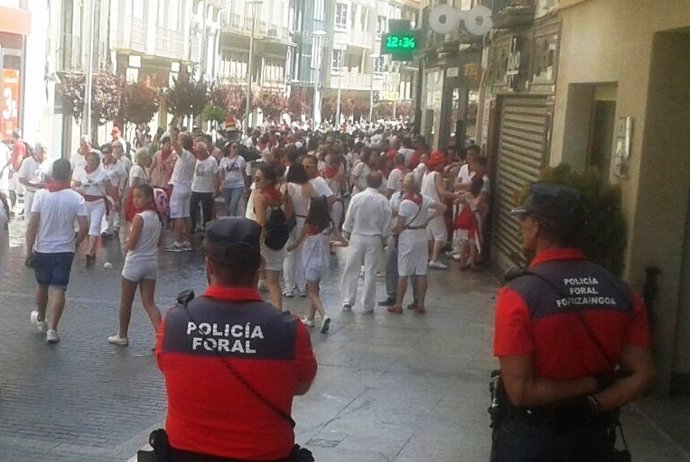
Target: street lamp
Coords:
[[371, 88], [250, 61], [318, 36]]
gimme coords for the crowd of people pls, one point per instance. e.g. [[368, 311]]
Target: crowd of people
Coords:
[[290, 199], [373, 193]]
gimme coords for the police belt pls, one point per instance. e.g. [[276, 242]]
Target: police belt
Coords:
[[561, 419]]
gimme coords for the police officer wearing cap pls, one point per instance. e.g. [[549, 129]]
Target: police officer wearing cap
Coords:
[[232, 364], [572, 340]]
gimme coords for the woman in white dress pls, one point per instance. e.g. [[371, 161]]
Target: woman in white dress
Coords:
[[300, 191], [93, 183]]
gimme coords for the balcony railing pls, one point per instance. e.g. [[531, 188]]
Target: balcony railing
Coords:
[[361, 39], [349, 80], [263, 29], [131, 34], [169, 44]]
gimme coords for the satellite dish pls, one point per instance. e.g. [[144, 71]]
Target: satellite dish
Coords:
[[478, 20], [444, 19]]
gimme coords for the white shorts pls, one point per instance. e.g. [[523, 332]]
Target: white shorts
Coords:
[[135, 271], [96, 211], [273, 259], [413, 253], [436, 229], [179, 202]]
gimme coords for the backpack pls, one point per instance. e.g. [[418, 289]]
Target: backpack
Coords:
[[277, 229]]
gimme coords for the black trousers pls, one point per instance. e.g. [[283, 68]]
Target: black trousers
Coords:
[[206, 201], [516, 440]]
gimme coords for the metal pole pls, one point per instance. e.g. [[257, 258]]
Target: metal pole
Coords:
[[86, 128], [250, 63]]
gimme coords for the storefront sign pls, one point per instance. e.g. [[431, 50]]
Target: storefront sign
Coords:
[[513, 69], [9, 102]]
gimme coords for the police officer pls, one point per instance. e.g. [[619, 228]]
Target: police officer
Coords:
[[572, 340], [232, 363]]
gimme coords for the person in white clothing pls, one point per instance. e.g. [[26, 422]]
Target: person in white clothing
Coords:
[[205, 186], [141, 263], [78, 159], [395, 177], [413, 252], [181, 182], [118, 178], [33, 174], [93, 183], [233, 169], [5, 169], [367, 224], [300, 190], [51, 244], [433, 187], [361, 170]]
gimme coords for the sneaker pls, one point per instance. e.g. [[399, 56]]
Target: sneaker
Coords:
[[175, 247], [52, 336], [325, 324], [108, 265], [288, 293], [117, 340], [437, 265], [187, 246], [347, 307], [308, 322], [42, 326]]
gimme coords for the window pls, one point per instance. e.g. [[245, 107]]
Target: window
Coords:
[[316, 51], [341, 15], [380, 65], [380, 25], [338, 60], [319, 10]]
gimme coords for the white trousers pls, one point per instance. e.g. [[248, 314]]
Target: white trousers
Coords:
[[28, 202], [367, 250]]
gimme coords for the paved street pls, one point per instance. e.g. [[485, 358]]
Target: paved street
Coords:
[[389, 388]]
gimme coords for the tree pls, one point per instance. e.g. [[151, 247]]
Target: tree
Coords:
[[603, 234], [383, 110], [299, 103], [213, 114], [271, 103], [328, 107], [186, 96], [404, 109], [106, 96], [230, 97], [139, 103]]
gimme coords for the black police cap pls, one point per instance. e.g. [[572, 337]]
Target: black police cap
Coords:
[[234, 231], [552, 202]]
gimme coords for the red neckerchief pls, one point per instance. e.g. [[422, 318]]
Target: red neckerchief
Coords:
[[55, 186], [416, 198], [235, 294], [330, 172], [402, 169], [274, 196]]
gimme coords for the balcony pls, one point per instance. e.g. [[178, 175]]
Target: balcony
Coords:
[[242, 25], [131, 35], [360, 39], [169, 44], [513, 13], [350, 80]]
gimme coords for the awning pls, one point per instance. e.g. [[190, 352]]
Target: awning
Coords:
[[15, 21]]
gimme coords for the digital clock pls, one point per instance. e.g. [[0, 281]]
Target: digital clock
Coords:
[[400, 44]]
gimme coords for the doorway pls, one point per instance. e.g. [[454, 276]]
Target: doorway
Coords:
[[601, 138]]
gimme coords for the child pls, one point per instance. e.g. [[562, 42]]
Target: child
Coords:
[[466, 227], [141, 262], [315, 254]]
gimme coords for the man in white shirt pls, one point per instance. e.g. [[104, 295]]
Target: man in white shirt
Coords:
[[32, 175], [367, 225], [205, 186], [433, 187], [413, 214], [180, 198], [51, 244]]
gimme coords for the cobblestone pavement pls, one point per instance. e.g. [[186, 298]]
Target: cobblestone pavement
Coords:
[[389, 388]]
